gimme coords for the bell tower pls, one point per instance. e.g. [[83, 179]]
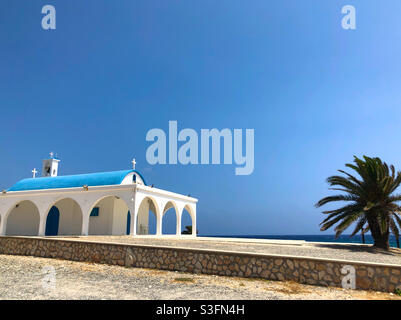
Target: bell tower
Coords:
[[50, 166]]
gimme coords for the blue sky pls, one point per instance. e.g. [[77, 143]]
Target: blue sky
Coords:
[[314, 93]]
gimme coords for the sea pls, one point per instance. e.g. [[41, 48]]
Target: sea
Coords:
[[311, 238]]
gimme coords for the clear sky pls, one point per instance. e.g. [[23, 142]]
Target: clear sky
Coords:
[[314, 93]]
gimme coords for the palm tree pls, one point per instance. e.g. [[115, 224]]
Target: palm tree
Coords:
[[188, 230], [371, 202]]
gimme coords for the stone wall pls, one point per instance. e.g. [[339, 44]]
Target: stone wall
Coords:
[[312, 271]]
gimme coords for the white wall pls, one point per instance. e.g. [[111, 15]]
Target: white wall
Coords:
[[23, 220], [70, 222], [129, 179], [73, 221], [102, 224], [119, 218], [112, 219], [143, 217]]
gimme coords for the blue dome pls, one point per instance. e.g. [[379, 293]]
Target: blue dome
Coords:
[[73, 181]]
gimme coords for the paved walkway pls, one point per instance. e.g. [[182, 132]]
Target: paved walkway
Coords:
[[349, 252], [26, 278]]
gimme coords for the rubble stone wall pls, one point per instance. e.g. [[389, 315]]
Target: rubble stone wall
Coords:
[[312, 271]]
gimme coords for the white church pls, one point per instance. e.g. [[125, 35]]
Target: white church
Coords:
[[104, 203]]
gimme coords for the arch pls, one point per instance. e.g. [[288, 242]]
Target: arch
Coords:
[[147, 223], [109, 215], [69, 220], [52, 222], [22, 219], [128, 229], [187, 219], [134, 176], [170, 222]]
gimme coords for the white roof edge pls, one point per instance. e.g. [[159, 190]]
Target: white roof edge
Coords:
[[166, 193]]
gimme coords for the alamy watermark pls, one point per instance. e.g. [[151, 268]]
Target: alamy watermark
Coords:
[[49, 20], [349, 20], [210, 140], [348, 281], [49, 278]]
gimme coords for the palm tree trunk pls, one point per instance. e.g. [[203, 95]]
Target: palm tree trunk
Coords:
[[381, 240], [363, 237]]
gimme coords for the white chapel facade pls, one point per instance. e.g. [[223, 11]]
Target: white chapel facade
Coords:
[[105, 203]]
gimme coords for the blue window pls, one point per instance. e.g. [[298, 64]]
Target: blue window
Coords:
[[95, 212]]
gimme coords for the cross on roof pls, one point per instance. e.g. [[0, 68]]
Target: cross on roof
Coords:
[[133, 163], [34, 172]]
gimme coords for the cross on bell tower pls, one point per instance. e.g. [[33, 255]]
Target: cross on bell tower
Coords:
[[133, 163]]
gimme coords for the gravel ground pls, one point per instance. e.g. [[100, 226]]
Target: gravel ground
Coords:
[[22, 277], [351, 252]]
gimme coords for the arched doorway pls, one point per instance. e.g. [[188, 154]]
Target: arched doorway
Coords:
[[52, 222], [147, 217], [109, 216], [187, 220], [169, 225], [64, 218], [23, 220]]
